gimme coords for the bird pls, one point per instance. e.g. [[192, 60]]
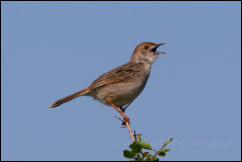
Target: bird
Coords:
[[120, 86]]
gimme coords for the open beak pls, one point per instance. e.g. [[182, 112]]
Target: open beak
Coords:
[[158, 45]]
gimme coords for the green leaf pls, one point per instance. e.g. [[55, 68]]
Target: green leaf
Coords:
[[138, 136], [140, 159], [148, 159], [146, 154], [129, 154], [145, 145], [154, 158], [167, 142], [162, 153], [166, 150], [135, 147]]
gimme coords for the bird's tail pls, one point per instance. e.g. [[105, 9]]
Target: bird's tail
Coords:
[[68, 98]]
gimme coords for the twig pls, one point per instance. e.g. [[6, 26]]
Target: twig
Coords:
[[164, 145], [129, 129], [130, 132]]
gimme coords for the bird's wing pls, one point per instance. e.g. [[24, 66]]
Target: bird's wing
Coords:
[[126, 72]]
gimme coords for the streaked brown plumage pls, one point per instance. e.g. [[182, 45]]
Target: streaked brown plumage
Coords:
[[120, 86]]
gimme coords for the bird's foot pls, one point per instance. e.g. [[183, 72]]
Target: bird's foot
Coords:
[[124, 121], [123, 109]]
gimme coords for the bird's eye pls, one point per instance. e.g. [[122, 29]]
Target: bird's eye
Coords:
[[146, 47]]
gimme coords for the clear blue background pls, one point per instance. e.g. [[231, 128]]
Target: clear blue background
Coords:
[[52, 49]]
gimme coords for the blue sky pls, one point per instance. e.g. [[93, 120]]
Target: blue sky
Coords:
[[52, 49]]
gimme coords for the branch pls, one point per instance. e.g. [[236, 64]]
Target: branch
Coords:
[[129, 129], [130, 132]]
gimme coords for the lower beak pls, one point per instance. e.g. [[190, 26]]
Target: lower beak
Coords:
[[161, 52]]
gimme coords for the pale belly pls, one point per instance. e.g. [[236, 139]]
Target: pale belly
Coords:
[[121, 94]]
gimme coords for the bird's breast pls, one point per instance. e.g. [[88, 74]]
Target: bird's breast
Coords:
[[122, 93]]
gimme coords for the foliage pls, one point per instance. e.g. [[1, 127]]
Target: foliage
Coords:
[[137, 152]]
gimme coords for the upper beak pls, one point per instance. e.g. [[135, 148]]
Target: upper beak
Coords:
[[160, 44]]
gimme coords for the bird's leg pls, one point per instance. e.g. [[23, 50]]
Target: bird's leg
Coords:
[[124, 108], [126, 118]]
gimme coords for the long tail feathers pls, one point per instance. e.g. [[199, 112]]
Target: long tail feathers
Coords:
[[68, 98]]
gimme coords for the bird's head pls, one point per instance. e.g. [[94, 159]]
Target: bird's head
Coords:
[[146, 52]]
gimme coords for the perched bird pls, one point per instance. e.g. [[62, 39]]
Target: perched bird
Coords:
[[120, 86]]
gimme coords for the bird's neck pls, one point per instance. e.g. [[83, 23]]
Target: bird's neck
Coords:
[[145, 58], [141, 60], [146, 63]]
